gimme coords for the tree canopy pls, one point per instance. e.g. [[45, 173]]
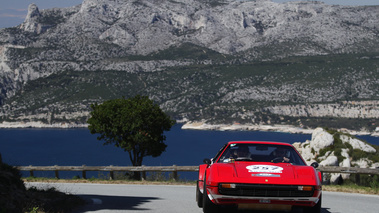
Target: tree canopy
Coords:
[[136, 125]]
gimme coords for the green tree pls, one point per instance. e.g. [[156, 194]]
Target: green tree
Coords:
[[136, 125]]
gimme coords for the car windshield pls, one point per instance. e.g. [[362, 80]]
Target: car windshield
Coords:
[[260, 153]]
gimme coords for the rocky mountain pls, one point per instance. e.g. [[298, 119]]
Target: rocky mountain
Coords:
[[216, 60]]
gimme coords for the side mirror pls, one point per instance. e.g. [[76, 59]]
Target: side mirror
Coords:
[[314, 165], [207, 161]]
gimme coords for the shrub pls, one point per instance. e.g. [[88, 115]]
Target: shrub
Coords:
[[15, 198]]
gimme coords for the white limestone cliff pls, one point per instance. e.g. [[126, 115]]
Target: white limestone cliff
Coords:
[[31, 23], [321, 139]]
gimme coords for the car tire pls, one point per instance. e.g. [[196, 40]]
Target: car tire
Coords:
[[199, 196], [208, 205], [314, 209]]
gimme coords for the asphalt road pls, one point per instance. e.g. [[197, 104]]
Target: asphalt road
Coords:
[[181, 199]]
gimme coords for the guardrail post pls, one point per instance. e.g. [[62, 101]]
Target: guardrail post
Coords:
[[357, 179], [84, 174], [31, 171], [143, 173], [175, 173], [56, 172], [111, 173]]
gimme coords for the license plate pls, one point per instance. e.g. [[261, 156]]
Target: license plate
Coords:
[[261, 206]]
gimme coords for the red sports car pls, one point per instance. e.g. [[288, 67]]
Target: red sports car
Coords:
[[258, 175]]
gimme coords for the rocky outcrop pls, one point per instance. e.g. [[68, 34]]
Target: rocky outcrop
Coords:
[[357, 144], [320, 139], [33, 21], [332, 148]]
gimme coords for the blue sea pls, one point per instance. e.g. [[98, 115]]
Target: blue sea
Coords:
[[76, 147]]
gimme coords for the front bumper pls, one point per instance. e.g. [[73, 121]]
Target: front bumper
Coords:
[[223, 199], [262, 201]]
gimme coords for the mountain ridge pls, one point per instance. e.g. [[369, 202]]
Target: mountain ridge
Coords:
[[278, 54]]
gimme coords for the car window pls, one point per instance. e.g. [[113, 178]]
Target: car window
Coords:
[[260, 153], [219, 152]]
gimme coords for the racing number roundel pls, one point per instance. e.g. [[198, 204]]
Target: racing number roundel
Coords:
[[264, 169]]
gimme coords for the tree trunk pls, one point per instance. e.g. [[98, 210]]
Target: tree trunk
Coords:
[[136, 159]]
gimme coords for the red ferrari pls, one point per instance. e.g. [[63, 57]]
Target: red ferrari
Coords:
[[260, 176]]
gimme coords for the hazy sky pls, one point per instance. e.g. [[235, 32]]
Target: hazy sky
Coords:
[[13, 12]]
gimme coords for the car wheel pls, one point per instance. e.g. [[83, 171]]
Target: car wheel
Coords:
[[199, 196], [314, 209], [208, 205]]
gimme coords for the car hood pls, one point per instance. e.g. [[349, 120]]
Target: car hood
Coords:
[[262, 172]]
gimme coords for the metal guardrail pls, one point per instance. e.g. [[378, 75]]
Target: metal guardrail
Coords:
[[174, 169], [348, 170]]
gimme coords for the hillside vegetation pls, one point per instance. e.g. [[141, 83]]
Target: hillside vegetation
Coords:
[[238, 92], [15, 198]]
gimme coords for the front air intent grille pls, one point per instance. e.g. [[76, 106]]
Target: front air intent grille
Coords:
[[258, 190]]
